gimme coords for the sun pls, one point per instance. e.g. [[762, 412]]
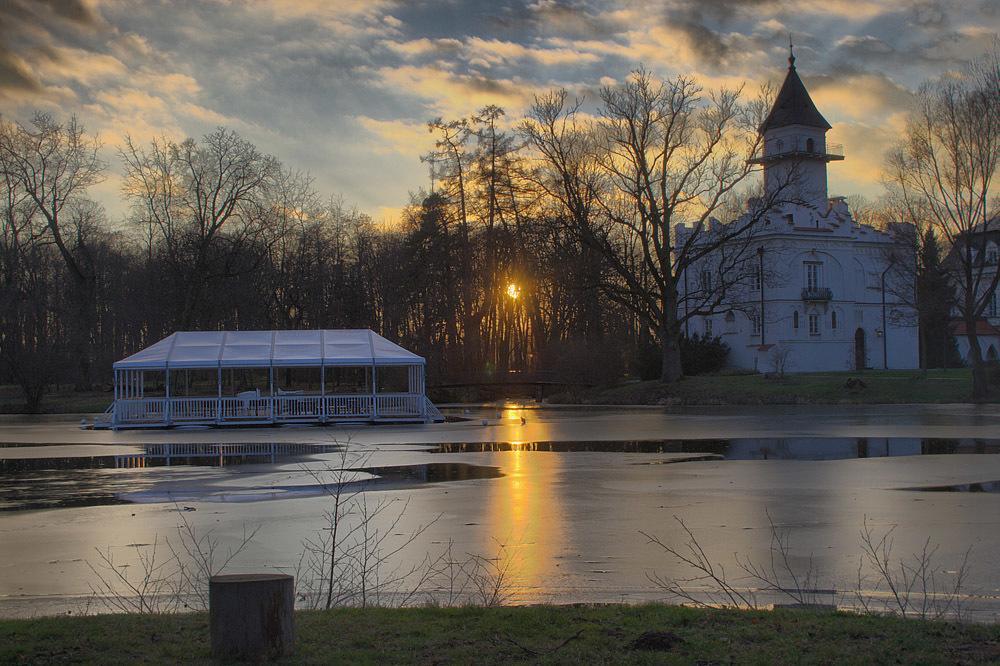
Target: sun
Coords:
[[513, 290]]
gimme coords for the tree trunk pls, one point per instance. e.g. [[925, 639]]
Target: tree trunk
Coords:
[[671, 369], [980, 373]]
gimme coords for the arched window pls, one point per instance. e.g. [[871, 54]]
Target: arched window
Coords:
[[730, 322], [795, 320], [833, 319], [810, 146]]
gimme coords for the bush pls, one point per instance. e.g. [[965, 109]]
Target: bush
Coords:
[[699, 356]]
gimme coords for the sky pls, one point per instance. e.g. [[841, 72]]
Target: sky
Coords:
[[343, 89]]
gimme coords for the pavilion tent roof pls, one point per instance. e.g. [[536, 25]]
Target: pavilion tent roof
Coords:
[[262, 349]]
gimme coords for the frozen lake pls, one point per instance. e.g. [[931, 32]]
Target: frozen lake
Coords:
[[568, 492]]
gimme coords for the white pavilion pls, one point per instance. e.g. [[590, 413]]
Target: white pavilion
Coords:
[[270, 377]]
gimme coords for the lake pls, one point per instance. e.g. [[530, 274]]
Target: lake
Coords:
[[567, 492]]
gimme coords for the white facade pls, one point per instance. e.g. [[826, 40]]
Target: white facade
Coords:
[[818, 305]]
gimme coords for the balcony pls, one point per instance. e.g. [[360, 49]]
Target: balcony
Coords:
[[797, 148], [817, 294]]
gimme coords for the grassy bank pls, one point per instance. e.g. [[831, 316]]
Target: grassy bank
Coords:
[[63, 400], [546, 634], [890, 386]]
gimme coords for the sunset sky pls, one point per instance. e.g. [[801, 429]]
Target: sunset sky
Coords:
[[343, 88]]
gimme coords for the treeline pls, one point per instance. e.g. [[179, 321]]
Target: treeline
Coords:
[[546, 245], [478, 276]]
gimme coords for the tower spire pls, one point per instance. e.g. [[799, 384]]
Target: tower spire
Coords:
[[791, 53]]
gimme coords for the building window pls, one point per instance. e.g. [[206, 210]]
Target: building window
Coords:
[[781, 145], [810, 146], [706, 281], [833, 319], [795, 320], [789, 218], [813, 275], [814, 324], [991, 257], [708, 328], [730, 322], [754, 323], [991, 309]]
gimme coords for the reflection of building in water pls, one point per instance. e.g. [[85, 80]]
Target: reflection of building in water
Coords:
[[833, 448]]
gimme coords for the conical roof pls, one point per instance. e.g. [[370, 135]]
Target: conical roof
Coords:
[[793, 106]]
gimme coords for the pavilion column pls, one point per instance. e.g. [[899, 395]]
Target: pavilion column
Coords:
[[322, 393], [374, 398], [218, 402], [270, 382], [166, 400]]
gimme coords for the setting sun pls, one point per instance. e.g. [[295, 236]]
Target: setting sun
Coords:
[[513, 290]]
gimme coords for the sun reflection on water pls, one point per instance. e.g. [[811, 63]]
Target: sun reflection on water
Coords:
[[526, 514]]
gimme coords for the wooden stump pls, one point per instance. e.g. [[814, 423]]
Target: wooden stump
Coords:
[[251, 616]]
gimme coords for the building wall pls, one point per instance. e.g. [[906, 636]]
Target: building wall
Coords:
[[846, 297]]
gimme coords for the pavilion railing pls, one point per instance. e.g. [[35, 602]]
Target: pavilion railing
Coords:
[[297, 407], [398, 405], [206, 409], [141, 410], [194, 409], [245, 409], [348, 406]]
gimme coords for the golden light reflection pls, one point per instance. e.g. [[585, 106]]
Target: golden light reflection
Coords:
[[526, 514], [513, 290]]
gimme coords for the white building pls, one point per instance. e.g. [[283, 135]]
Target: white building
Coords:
[[827, 295], [988, 327]]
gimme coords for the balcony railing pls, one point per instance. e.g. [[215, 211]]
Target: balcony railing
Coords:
[[797, 148], [817, 294]]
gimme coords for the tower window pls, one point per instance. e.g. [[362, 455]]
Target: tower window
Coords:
[[795, 320], [812, 275], [833, 319], [708, 328], [810, 146], [754, 323], [814, 324]]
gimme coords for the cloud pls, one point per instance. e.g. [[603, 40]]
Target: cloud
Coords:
[[344, 88]]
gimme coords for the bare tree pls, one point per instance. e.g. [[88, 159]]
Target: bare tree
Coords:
[[204, 202], [643, 186], [54, 163], [944, 168]]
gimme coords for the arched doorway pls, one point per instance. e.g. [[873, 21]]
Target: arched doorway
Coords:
[[859, 349]]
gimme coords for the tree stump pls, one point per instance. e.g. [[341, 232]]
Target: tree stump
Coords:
[[251, 616]]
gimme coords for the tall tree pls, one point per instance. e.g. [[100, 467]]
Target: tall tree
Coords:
[[643, 185], [203, 202], [54, 163], [945, 167]]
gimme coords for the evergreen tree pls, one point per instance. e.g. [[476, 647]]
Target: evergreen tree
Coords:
[[935, 300]]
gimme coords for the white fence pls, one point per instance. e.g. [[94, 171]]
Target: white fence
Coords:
[[272, 409]]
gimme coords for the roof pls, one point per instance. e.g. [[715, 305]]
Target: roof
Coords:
[[262, 349], [793, 106], [983, 327]]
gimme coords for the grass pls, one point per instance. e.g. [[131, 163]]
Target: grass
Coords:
[[61, 400], [543, 634], [881, 387]]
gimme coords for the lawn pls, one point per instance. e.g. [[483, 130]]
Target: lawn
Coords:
[[879, 386], [543, 634], [61, 400]]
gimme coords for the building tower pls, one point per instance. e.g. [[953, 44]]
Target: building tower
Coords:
[[795, 151]]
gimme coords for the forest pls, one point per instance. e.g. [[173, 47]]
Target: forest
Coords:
[[544, 247]]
